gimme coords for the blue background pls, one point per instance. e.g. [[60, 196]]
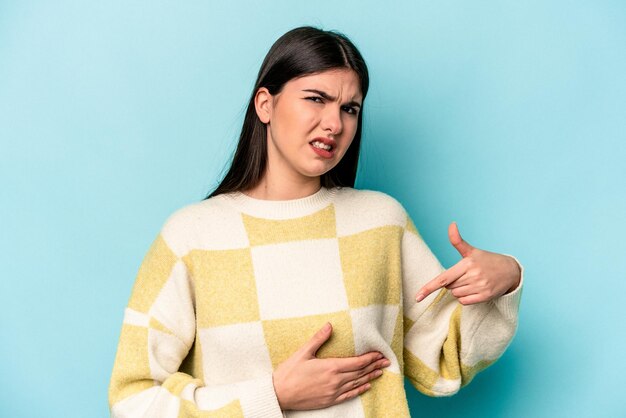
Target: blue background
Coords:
[[506, 116]]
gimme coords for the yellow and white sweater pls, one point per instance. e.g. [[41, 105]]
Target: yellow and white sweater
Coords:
[[232, 286]]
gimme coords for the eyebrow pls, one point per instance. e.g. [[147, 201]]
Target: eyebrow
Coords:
[[327, 96]]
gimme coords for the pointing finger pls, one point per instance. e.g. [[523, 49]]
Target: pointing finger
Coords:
[[442, 280]]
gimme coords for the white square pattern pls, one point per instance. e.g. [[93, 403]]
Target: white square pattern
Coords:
[[373, 328], [356, 212], [312, 286], [233, 353], [187, 228]]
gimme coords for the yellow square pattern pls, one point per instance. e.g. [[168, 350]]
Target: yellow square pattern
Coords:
[[419, 374], [131, 364], [386, 398], [224, 286], [372, 266], [286, 336], [318, 225], [153, 273], [397, 342]]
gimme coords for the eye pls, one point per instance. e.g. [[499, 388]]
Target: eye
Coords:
[[315, 99], [350, 110]]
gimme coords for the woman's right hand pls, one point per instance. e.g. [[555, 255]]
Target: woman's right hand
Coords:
[[305, 382]]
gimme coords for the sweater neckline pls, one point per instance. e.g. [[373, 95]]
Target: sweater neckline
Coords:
[[281, 209]]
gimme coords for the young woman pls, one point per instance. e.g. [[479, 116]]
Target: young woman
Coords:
[[287, 292]]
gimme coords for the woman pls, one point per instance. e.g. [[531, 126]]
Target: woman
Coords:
[[288, 292]]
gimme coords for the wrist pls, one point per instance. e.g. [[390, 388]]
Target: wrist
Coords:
[[280, 397], [517, 275]]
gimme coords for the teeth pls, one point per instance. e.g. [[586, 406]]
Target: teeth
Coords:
[[318, 144]]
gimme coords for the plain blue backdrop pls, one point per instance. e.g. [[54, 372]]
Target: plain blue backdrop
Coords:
[[506, 116]]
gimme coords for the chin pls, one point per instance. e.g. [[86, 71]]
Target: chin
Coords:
[[317, 173]]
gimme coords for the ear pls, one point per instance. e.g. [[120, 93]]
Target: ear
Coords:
[[263, 104]]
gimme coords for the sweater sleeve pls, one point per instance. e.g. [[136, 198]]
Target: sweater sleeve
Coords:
[[447, 343], [158, 332]]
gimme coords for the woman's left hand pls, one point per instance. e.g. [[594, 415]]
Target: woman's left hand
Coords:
[[479, 277]]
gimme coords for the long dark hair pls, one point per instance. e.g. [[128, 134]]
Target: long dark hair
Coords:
[[301, 51]]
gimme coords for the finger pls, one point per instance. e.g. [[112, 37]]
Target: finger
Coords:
[[318, 339], [444, 279], [372, 367], [459, 243], [353, 393], [464, 280], [460, 282], [463, 291], [359, 381], [352, 364], [472, 299]]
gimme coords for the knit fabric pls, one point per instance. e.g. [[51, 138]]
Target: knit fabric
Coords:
[[233, 286]]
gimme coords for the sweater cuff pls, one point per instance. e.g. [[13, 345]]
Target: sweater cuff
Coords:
[[508, 304]]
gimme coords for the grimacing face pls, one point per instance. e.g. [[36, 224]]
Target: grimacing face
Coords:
[[311, 122]]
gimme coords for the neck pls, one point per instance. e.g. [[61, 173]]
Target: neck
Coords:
[[286, 189]]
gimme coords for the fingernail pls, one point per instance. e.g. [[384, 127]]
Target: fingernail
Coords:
[[379, 356], [386, 363], [378, 373], [327, 327], [419, 297]]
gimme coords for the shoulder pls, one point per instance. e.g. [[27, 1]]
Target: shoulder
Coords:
[[190, 216], [189, 226], [366, 209], [369, 199]]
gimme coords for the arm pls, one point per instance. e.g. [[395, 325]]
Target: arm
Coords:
[[158, 331], [447, 342]]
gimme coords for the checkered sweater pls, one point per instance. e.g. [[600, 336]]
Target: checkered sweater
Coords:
[[232, 286]]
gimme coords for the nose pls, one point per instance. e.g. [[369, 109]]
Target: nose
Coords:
[[331, 120]]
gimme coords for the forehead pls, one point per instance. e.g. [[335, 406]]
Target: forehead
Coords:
[[342, 83]]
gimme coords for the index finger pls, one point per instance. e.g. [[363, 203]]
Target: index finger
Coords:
[[442, 280]]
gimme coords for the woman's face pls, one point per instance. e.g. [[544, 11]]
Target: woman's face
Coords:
[[311, 123]]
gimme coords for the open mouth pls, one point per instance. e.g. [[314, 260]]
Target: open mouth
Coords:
[[321, 145]]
